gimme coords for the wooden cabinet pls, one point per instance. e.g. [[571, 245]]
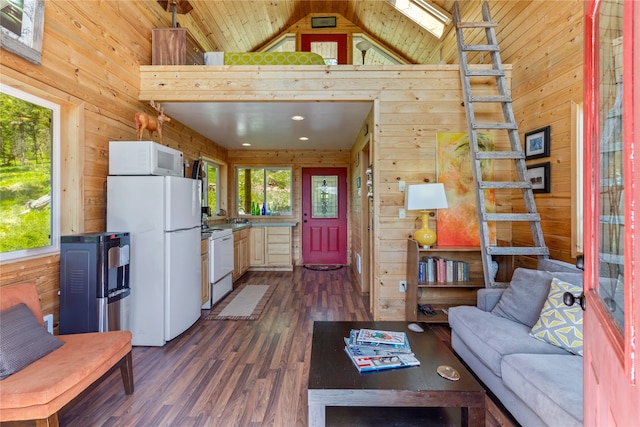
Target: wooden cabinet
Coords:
[[270, 248], [441, 295], [256, 249], [204, 265], [240, 253], [175, 46]]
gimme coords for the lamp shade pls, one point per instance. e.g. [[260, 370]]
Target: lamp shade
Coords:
[[420, 197]]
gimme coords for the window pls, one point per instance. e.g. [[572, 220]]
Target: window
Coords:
[[29, 175], [263, 191], [423, 13], [210, 184]]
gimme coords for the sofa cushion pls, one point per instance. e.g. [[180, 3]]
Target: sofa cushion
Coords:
[[550, 384], [559, 324], [491, 337], [522, 301], [23, 340]]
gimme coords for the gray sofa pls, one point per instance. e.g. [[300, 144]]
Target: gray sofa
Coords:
[[538, 383]]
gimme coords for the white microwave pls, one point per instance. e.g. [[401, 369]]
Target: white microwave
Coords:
[[144, 158]]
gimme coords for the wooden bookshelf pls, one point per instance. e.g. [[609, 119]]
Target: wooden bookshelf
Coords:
[[441, 295]]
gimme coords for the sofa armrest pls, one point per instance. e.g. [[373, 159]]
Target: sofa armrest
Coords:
[[488, 298]]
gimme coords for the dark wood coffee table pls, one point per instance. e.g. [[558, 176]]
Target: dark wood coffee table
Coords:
[[335, 381]]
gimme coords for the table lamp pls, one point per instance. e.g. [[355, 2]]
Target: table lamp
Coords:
[[424, 198]]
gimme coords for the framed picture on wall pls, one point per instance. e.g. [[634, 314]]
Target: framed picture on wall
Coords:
[[540, 177], [537, 143], [22, 28]]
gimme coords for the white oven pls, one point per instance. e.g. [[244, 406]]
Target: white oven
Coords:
[[220, 264]]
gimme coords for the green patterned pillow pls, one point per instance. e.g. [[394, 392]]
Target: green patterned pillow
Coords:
[[559, 324]]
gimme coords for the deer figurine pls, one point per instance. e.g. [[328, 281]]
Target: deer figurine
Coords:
[[151, 124]]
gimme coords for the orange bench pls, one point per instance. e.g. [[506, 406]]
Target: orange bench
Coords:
[[40, 390]]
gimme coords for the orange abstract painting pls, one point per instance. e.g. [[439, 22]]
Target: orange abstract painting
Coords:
[[458, 224]]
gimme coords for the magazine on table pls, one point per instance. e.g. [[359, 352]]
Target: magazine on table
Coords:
[[379, 350], [400, 344], [378, 363]]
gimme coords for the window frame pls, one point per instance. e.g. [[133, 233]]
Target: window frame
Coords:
[[56, 109], [221, 193], [265, 169]]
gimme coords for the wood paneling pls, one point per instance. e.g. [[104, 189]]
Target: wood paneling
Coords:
[[91, 56], [543, 41], [406, 120], [92, 52]]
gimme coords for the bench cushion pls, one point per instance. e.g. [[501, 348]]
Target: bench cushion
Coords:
[[491, 337], [550, 384], [46, 385]]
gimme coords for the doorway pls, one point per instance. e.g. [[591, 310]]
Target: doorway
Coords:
[[324, 216], [329, 46]]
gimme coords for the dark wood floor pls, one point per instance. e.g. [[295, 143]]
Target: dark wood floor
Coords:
[[232, 373]]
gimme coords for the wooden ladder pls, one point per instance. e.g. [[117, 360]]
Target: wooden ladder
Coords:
[[502, 96]]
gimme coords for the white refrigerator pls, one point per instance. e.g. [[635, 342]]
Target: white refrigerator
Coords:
[[163, 215]]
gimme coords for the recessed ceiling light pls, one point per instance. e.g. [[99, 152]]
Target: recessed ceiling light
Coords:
[[246, 144], [303, 138], [297, 118]]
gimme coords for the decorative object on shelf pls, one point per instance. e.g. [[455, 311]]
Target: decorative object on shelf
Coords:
[[425, 197], [323, 22], [458, 225], [151, 124], [540, 177], [22, 29], [537, 143]]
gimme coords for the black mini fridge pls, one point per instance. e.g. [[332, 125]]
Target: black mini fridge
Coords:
[[94, 282]]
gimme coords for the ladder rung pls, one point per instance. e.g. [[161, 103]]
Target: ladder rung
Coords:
[[484, 73], [483, 24], [480, 48], [499, 155], [495, 125], [498, 98], [485, 185], [514, 250], [512, 217]]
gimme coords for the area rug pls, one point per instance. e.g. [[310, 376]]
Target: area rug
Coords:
[[323, 267], [244, 303]]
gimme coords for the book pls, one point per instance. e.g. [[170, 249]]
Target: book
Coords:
[[378, 363], [368, 350]]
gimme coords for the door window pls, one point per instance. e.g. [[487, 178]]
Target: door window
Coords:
[[611, 158], [324, 203]]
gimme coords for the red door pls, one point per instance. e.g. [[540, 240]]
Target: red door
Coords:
[[612, 193], [332, 42], [324, 216]]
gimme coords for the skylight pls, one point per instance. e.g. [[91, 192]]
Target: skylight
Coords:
[[428, 16]]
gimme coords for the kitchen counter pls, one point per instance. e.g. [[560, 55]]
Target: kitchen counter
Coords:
[[240, 226]]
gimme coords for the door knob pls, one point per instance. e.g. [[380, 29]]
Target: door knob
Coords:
[[569, 299]]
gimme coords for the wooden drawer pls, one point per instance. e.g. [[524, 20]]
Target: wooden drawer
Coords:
[[275, 259], [279, 249]]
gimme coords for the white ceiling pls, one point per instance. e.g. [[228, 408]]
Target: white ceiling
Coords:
[[268, 125]]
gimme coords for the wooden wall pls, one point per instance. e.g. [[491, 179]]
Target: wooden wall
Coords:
[[93, 50], [295, 159], [412, 103], [543, 41], [90, 63]]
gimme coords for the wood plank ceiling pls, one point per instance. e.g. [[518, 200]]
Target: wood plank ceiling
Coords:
[[244, 25]]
